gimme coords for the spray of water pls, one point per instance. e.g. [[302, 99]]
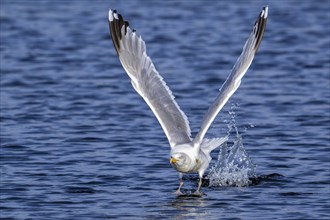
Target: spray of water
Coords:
[[234, 166]]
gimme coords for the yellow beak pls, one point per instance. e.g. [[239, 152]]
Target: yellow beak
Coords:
[[173, 160]]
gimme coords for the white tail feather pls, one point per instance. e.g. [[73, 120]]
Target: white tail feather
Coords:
[[208, 145]]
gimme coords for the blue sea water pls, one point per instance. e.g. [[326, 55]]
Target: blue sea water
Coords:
[[77, 142]]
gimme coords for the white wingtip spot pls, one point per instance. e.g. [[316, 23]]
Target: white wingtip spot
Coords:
[[110, 15], [115, 15], [266, 12]]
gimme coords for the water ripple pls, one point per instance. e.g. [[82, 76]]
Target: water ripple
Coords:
[[78, 143]]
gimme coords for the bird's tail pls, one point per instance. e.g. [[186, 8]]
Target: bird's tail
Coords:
[[209, 145]]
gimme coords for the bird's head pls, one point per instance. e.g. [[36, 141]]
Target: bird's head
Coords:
[[180, 161]]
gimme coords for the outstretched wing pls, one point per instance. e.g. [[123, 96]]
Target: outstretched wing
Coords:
[[146, 80], [234, 79]]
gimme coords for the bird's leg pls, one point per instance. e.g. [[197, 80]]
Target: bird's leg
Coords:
[[178, 192], [199, 184], [198, 192]]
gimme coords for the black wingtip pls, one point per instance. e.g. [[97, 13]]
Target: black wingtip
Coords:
[[116, 22], [260, 26]]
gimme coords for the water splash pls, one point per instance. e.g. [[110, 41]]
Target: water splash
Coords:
[[234, 166]]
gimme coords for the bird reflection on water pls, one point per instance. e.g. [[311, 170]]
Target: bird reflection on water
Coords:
[[189, 207]]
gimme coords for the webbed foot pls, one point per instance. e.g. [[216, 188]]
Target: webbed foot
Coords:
[[178, 193], [197, 193]]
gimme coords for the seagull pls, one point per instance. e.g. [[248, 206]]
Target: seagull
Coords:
[[187, 155]]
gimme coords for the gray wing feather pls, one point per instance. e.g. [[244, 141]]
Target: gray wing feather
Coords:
[[147, 81], [234, 79]]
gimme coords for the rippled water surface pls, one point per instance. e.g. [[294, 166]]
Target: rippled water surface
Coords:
[[78, 143]]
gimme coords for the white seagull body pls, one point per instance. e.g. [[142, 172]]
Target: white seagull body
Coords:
[[187, 155]]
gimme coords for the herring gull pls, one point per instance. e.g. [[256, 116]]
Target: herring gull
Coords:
[[187, 155]]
